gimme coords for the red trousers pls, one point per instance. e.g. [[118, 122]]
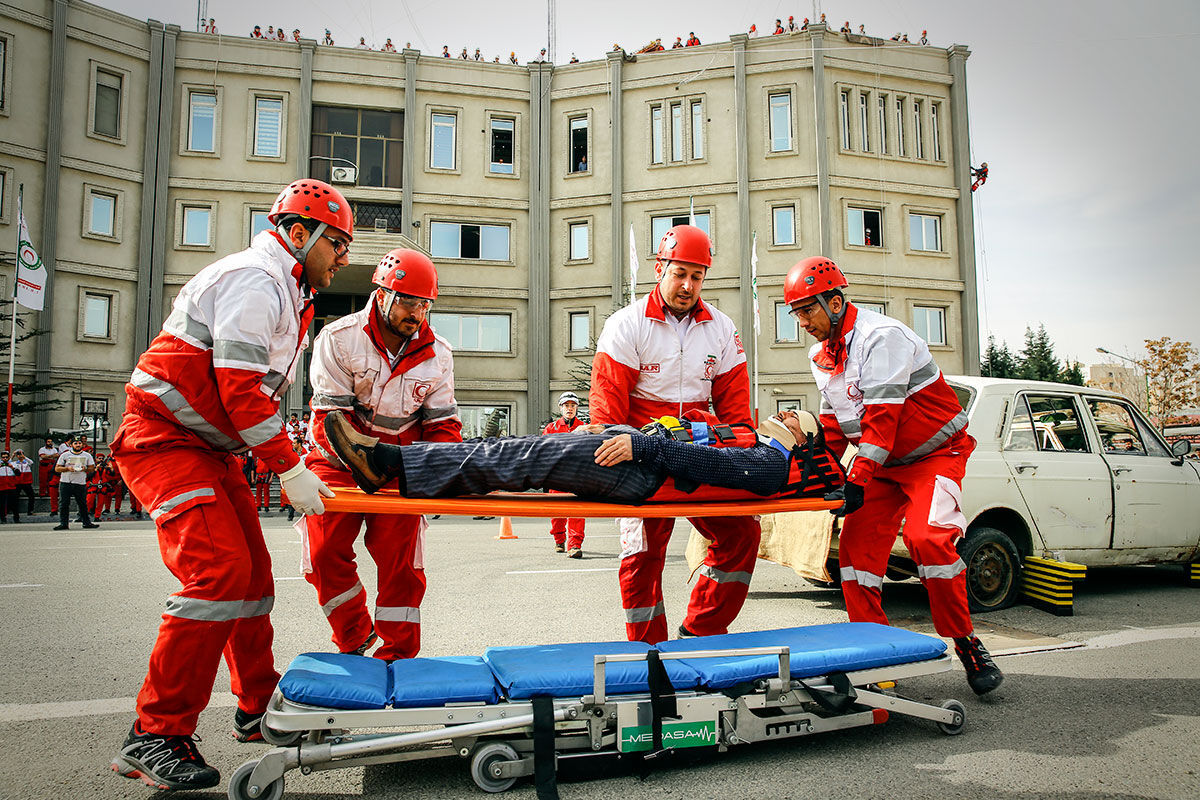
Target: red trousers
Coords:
[[211, 541], [721, 586], [262, 495], [134, 505], [927, 496], [568, 531], [396, 544], [54, 496], [45, 471]]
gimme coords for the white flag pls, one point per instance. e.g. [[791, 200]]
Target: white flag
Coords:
[[754, 278], [633, 266], [31, 274]]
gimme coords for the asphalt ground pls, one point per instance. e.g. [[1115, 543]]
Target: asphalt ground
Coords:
[[1111, 710]]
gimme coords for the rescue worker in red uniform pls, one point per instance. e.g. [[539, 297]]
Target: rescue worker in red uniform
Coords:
[[393, 377], [882, 391], [567, 533], [666, 354], [262, 485], [47, 457], [101, 487], [209, 386]]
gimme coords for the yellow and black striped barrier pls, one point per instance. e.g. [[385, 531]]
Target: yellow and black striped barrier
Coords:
[[1196, 574], [1049, 585]]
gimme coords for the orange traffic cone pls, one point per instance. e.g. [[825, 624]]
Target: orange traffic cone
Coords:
[[506, 531]]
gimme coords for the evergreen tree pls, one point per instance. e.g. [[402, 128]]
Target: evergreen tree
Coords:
[[1072, 374], [998, 362], [1038, 362], [27, 392]]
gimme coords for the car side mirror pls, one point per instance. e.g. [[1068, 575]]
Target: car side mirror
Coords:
[[1181, 448]]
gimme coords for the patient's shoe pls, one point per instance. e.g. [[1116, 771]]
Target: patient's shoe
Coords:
[[164, 762], [982, 673], [356, 450]]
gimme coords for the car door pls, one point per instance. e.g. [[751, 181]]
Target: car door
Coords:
[[1065, 484], [1157, 499]]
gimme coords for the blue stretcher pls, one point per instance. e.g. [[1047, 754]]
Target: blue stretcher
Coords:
[[517, 711]]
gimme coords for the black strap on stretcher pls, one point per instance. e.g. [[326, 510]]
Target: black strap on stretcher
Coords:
[[545, 779], [816, 465], [839, 700], [662, 706]]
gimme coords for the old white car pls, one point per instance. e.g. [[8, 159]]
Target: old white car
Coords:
[[1066, 472]]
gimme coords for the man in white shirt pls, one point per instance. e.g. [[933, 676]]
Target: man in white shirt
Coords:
[[73, 468], [23, 465]]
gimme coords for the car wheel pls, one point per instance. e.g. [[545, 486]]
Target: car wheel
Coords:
[[993, 569]]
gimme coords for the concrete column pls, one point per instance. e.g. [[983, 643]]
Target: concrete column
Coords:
[[538, 317], [821, 126], [961, 137], [304, 113], [162, 234], [619, 243], [409, 155], [741, 147], [50, 202], [141, 325]]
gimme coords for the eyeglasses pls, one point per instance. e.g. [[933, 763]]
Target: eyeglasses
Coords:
[[340, 246], [806, 311], [414, 303]]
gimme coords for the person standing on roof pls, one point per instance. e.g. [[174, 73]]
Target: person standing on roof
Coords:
[[882, 392], [208, 387], [666, 354], [567, 532]]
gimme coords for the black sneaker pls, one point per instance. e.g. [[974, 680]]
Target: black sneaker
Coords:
[[247, 727], [684, 633], [362, 649], [164, 762], [91, 525], [982, 673], [61, 528]]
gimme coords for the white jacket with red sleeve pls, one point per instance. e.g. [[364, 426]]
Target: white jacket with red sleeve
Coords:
[[228, 352], [882, 391], [642, 370], [408, 402]]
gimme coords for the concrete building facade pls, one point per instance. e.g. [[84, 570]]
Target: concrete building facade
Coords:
[[147, 152]]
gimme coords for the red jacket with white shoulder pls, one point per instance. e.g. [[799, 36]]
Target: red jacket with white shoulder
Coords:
[[228, 352], [561, 425], [882, 391], [644, 370]]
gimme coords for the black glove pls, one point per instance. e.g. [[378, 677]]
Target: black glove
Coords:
[[851, 495]]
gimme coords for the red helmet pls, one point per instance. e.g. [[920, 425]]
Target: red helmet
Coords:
[[408, 272], [811, 277], [316, 200], [685, 243]]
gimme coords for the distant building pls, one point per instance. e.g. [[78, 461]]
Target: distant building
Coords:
[[1123, 380]]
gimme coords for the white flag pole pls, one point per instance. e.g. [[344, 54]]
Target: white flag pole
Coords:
[[633, 266], [12, 339], [754, 294]]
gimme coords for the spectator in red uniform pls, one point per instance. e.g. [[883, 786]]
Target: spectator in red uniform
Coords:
[[24, 468], [567, 532], [692, 40], [47, 456], [8, 490]]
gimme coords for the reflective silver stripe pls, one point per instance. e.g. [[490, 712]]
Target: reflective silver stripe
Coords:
[[825, 407], [245, 352], [867, 580], [712, 573], [276, 382], [349, 594], [943, 571], [937, 440], [336, 400], [439, 413], [263, 431], [923, 375], [644, 614], [174, 502], [386, 422], [184, 414], [257, 608], [397, 614], [179, 322], [888, 391], [852, 427], [873, 452], [204, 610]]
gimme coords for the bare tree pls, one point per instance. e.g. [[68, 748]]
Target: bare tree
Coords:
[[1171, 377]]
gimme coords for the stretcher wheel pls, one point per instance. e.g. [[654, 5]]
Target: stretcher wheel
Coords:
[[951, 728], [239, 785], [281, 738], [485, 759]]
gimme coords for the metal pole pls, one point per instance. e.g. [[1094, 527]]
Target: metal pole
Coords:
[[12, 339]]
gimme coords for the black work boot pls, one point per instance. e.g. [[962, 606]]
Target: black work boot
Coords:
[[357, 452], [164, 762], [982, 673]]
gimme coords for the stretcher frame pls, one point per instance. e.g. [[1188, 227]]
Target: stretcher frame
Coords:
[[498, 738]]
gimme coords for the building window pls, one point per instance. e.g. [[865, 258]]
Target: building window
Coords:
[[783, 225], [475, 420], [935, 130], [845, 115], [202, 122], [697, 129], [480, 333], [197, 226], [379, 217], [793, 404], [259, 222], [106, 107], [441, 147], [786, 327], [900, 126], [462, 240], [580, 324], [372, 141], [580, 249], [864, 227], [502, 145], [102, 213], [579, 144], [925, 232], [3, 73], [660, 225], [870, 305], [918, 143], [883, 137], [676, 132], [656, 142], [780, 109], [929, 322], [268, 127], [862, 122], [3, 195], [97, 310]]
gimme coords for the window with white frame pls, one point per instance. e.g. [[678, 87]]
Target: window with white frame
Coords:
[[783, 224], [197, 225], [871, 305], [900, 126], [697, 129], [102, 213], [442, 140], [845, 117], [259, 222], [660, 225], [935, 130], [578, 143], [656, 135], [677, 132], [475, 419], [864, 227], [202, 122], [96, 314], [918, 139], [469, 240], [864, 130], [925, 232], [580, 325], [883, 129], [268, 127], [787, 329], [478, 333], [580, 240], [790, 404], [779, 105], [502, 145], [929, 322], [106, 103]]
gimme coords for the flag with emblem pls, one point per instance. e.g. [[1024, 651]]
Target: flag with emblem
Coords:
[[633, 266], [31, 273], [754, 278]]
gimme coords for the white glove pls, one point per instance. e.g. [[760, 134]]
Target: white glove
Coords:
[[304, 489]]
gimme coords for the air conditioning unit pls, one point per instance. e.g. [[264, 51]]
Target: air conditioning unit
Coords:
[[344, 175]]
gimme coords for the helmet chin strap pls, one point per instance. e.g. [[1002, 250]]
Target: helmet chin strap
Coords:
[[835, 320], [301, 253]]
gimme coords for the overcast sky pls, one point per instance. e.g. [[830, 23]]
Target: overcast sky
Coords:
[[1085, 110]]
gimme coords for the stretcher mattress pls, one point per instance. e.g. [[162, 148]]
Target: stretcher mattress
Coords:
[[336, 680]]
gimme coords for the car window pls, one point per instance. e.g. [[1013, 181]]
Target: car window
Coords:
[[1047, 423], [1119, 430], [965, 395]]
